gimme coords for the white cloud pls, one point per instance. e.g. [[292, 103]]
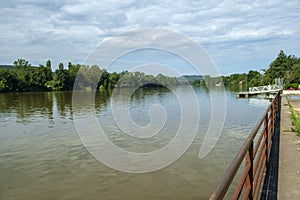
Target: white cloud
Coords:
[[233, 32]]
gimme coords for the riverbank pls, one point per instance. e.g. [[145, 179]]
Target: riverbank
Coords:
[[289, 155]]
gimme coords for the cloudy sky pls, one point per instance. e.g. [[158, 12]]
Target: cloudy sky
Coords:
[[238, 35]]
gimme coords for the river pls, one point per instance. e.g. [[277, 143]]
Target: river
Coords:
[[42, 157]]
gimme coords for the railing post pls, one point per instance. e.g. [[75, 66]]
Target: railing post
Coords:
[[277, 105], [276, 102], [249, 180], [266, 136], [272, 121]]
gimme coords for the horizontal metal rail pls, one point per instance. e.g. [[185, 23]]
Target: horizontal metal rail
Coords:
[[256, 156], [265, 89]]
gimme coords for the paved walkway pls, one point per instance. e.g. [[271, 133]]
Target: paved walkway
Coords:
[[289, 156]]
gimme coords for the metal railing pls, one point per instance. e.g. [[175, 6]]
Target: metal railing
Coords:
[[265, 89], [256, 155]]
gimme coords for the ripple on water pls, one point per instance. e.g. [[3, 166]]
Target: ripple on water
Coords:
[[41, 156]]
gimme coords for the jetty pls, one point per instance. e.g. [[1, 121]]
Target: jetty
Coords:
[[253, 91]]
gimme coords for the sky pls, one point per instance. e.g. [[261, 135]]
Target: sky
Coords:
[[238, 35]]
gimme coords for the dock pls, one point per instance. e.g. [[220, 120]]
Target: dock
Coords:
[[253, 91], [246, 94]]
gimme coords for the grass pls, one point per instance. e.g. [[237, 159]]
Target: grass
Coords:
[[295, 119]]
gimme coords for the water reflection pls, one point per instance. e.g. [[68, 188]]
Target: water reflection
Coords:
[[258, 102], [27, 107], [41, 155]]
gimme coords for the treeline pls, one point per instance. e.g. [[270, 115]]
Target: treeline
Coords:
[[88, 79], [24, 77], [284, 66]]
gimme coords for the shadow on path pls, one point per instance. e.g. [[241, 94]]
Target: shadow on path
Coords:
[[270, 185]]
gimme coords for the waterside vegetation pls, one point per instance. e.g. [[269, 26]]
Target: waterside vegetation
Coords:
[[22, 77], [295, 119]]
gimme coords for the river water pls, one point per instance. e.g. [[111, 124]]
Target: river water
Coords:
[[42, 157]]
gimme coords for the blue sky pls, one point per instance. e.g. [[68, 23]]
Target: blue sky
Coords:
[[237, 35]]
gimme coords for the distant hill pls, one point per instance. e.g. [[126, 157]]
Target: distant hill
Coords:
[[11, 66], [190, 77], [6, 67]]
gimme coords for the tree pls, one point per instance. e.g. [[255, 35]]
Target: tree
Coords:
[[113, 79], [296, 72], [254, 78], [24, 73], [93, 77], [8, 81], [61, 79], [148, 80], [280, 68], [48, 71], [73, 71], [41, 77], [104, 79]]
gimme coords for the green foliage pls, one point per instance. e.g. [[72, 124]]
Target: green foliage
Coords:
[[61, 79], [291, 85], [24, 77], [24, 74], [254, 78], [104, 79], [286, 67], [199, 83], [8, 80], [42, 75], [295, 72], [139, 79], [73, 71], [236, 82], [295, 119], [113, 79], [88, 77]]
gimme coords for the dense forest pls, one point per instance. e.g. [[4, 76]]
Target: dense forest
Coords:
[[23, 77]]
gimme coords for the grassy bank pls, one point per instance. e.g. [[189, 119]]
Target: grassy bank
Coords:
[[295, 119]]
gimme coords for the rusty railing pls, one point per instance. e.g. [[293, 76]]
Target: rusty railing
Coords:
[[256, 155]]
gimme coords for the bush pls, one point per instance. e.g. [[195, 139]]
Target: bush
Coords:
[[292, 85]]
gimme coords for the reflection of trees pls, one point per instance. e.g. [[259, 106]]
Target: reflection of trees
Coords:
[[101, 98], [138, 79], [30, 106], [84, 101], [27, 105], [141, 93], [63, 103]]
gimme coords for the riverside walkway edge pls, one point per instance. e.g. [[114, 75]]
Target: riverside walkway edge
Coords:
[[289, 157]]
